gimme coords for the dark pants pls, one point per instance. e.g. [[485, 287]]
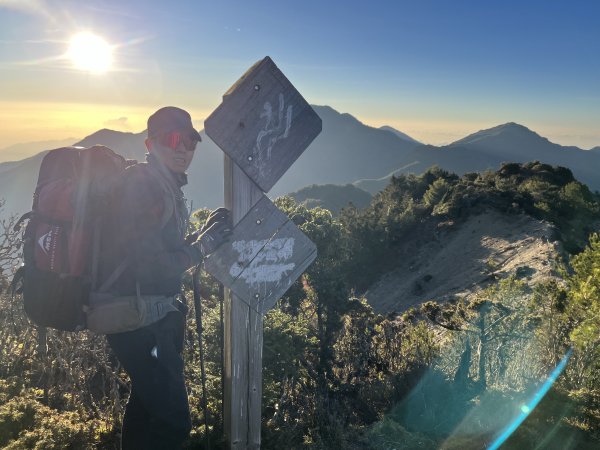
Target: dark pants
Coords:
[[157, 414]]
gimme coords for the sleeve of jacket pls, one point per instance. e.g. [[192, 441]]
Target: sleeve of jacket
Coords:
[[142, 206]]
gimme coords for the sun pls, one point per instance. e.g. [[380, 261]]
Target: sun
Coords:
[[90, 52]]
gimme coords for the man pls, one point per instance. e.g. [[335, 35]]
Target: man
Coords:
[[148, 232]]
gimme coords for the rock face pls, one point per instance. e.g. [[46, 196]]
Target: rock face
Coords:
[[461, 259]]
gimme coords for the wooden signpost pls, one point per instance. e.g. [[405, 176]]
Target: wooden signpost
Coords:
[[262, 126]]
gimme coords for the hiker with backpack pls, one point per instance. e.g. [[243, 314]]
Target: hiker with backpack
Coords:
[[145, 239], [105, 248]]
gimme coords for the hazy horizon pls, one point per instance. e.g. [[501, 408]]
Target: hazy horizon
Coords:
[[200, 126]]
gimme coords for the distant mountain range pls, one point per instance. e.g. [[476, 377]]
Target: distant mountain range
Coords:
[[347, 151], [488, 149], [25, 150]]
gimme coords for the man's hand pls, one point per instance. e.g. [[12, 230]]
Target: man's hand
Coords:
[[215, 231], [219, 213]]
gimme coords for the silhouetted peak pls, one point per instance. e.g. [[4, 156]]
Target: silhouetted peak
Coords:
[[108, 133], [399, 133], [109, 138], [506, 130], [324, 108], [513, 126], [325, 111]]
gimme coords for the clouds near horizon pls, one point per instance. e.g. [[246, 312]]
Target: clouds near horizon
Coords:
[[122, 123]]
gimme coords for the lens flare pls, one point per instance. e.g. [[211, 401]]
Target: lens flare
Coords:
[[527, 408]]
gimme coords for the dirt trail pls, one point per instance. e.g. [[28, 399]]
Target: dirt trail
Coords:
[[463, 258]]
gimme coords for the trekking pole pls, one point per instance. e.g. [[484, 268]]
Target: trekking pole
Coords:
[[198, 310], [42, 348], [222, 339]]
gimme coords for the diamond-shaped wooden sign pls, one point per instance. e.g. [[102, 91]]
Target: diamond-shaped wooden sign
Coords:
[[263, 124], [265, 255]]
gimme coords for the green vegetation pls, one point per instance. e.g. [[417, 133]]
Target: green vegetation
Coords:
[[338, 375], [332, 197]]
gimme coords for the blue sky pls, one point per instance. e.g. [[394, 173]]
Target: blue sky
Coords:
[[437, 70]]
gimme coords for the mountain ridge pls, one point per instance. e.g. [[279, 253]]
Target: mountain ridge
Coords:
[[487, 149], [346, 152], [336, 156], [20, 151], [457, 262], [508, 127], [399, 133]]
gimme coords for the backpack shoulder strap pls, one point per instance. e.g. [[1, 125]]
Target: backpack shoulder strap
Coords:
[[169, 199], [168, 211]]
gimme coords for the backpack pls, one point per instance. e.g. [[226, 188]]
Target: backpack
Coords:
[[61, 240]]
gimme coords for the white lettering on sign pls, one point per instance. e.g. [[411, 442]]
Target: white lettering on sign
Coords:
[[268, 266], [273, 131]]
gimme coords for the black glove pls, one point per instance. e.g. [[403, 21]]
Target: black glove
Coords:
[[217, 214], [215, 232]]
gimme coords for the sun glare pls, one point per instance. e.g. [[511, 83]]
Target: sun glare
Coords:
[[90, 52]]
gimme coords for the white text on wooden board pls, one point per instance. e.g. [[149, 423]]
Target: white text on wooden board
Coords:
[[266, 254]]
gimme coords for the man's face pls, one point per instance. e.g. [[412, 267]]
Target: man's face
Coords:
[[177, 159]]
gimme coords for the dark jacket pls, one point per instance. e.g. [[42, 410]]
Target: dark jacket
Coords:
[[147, 225]]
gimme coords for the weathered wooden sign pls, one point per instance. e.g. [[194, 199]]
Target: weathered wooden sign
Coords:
[[263, 124], [266, 254]]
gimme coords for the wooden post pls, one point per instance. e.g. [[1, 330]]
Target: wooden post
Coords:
[[243, 335], [263, 125]]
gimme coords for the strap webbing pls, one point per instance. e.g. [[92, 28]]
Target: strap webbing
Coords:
[[115, 275]]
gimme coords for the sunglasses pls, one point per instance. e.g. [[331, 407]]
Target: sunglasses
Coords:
[[174, 138]]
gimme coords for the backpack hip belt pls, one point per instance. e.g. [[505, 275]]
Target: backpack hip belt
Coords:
[[108, 313]]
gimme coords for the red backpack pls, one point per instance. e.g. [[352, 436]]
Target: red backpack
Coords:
[[60, 243]]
